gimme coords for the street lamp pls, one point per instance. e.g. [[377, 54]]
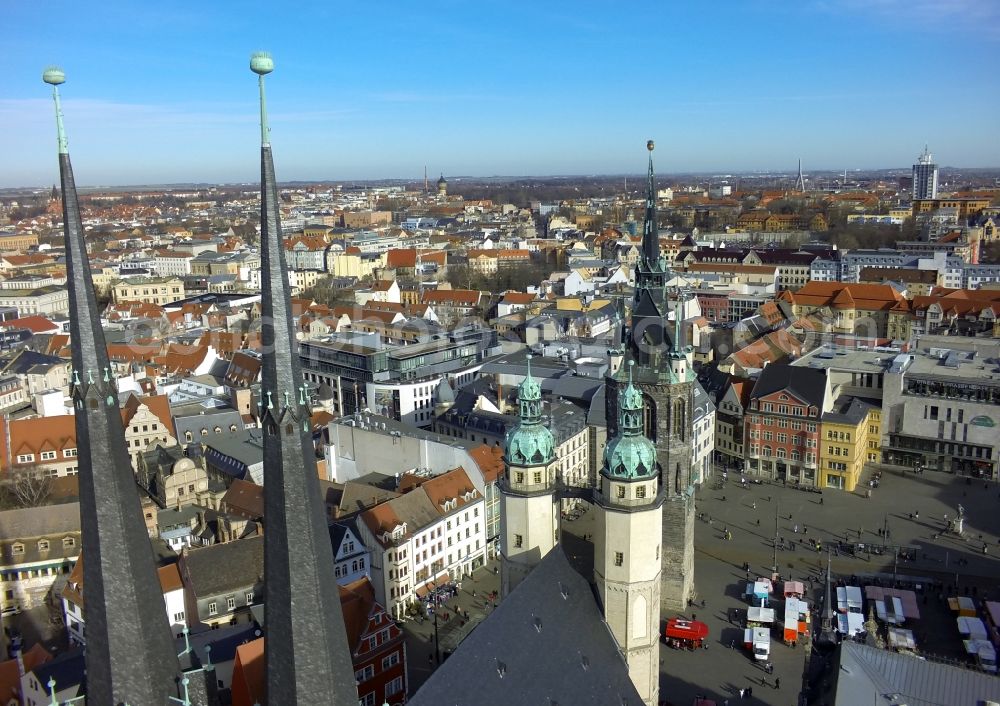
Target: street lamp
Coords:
[[774, 544], [437, 646]]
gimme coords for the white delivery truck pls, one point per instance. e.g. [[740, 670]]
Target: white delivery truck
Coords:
[[758, 642]]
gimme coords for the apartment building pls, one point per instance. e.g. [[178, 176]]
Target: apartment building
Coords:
[[39, 546], [849, 439], [433, 533], [782, 423], [152, 290]]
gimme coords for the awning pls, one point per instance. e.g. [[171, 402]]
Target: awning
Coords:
[[441, 579], [681, 629]]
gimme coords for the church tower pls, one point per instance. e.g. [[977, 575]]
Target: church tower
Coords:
[[307, 658], [664, 375], [529, 515], [627, 545], [130, 655]]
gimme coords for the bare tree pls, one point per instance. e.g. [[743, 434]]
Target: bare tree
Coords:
[[29, 486]]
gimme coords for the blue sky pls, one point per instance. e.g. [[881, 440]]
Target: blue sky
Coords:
[[161, 92]]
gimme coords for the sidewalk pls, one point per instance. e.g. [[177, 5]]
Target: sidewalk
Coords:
[[472, 600]]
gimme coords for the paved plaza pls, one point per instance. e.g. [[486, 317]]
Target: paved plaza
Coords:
[[911, 509]]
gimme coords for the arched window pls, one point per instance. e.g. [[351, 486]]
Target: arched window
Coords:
[[639, 617], [766, 451], [679, 419]]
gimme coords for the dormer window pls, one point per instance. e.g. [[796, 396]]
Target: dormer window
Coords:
[[68, 542], [17, 548], [43, 545]]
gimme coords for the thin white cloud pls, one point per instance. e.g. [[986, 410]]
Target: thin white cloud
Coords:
[[982, 17]]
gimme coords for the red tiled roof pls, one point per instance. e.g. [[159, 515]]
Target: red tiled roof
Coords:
[[35, 324]]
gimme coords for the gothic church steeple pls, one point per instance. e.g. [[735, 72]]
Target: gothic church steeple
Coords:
[[305, 650], [130, 654]]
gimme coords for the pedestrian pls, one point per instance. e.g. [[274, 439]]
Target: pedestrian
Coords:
[[754, 505], [758, 522], [749, 692], [795, 529], [742, 691], [732, 643], [916, 515], [777, 682]]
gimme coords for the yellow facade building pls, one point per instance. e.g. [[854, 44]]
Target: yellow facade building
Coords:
[[849, 438]]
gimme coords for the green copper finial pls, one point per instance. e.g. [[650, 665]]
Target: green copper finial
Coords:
[[262, 64], [54, 76], [530, 442], [630, 455]]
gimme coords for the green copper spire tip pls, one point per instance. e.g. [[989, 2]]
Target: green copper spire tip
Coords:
[[54, 76], [262, 64]]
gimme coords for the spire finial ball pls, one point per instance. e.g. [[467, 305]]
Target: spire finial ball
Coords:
[[649, 145], [261, 63], [54, 76]]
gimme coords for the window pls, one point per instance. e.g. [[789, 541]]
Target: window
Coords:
[[26, 458], [620, 491], [179, 617], [231, 603], [640, 492], [390, 661], [47, 455], [518, 541], [43, 545], [365, 674], [367, 700], [619, 558], [537, 479], [394, 687], [213, 608], [249, 597], [69, 542], [69, 453]]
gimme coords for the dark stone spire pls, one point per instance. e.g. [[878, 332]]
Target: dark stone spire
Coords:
[[650, 229], [130, 653], [307, 657], [648, 337]]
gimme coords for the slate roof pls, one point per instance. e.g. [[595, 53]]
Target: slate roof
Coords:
[[867, 673], [67, 669], [807, 384], [30, 522], [546, 643], [222, 568]]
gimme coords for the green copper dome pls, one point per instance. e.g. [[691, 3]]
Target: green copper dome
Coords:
[[630, 455], [530, 443]]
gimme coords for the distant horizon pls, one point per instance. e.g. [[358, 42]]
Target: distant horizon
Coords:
[[161, 94], [721, 174]]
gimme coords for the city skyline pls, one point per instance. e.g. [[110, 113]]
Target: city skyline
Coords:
[[568, 89]]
